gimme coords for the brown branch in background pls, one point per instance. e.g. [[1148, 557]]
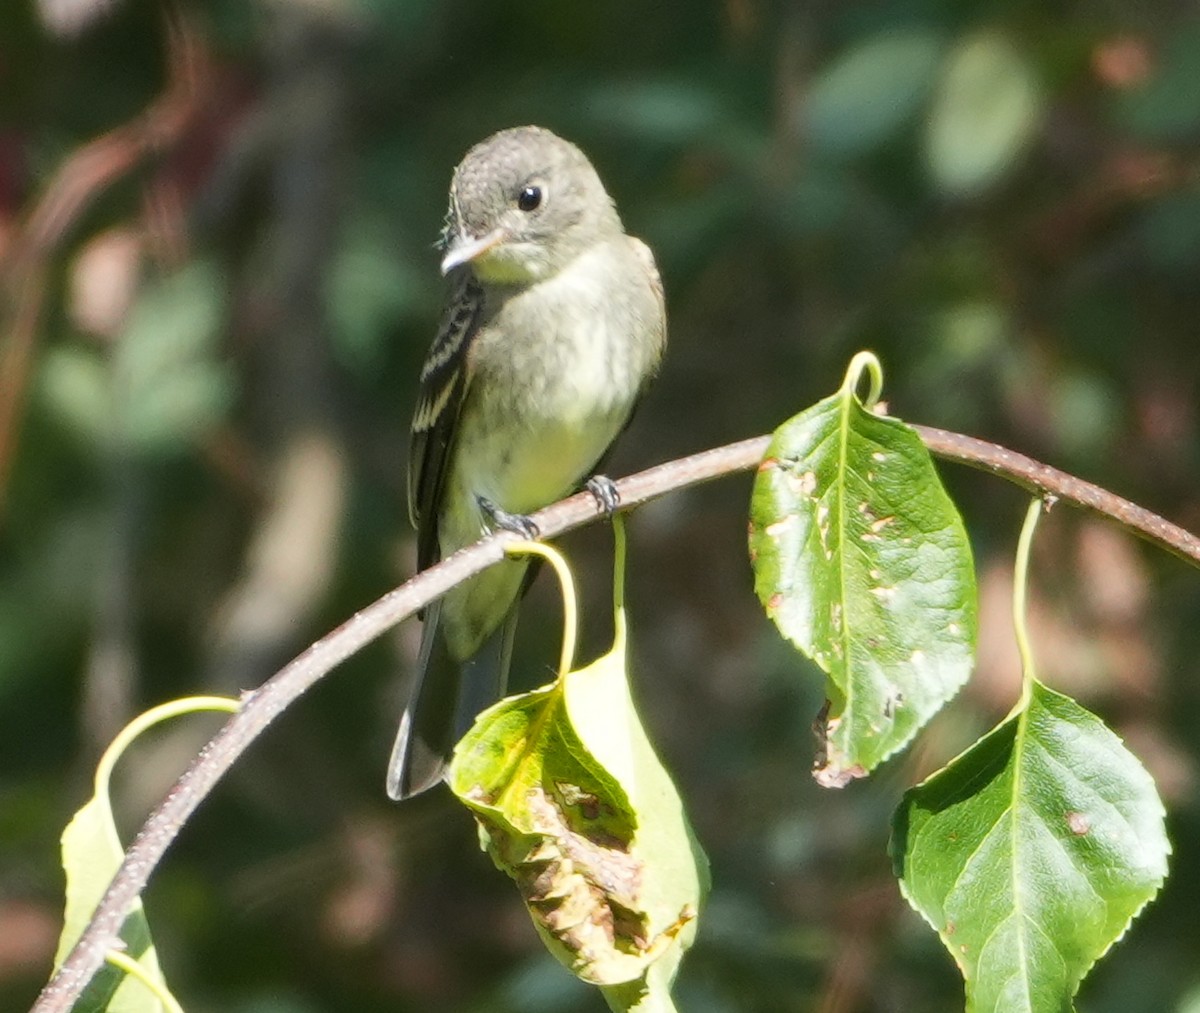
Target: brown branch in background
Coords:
[[262, 706], [78, 182]]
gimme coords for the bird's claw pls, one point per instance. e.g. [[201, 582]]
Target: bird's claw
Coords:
[[502, 520], [605, 492]]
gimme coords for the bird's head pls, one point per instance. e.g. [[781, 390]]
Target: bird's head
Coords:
[[523, 204]]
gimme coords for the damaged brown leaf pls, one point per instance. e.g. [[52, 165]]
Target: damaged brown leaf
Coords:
[[574, 806]]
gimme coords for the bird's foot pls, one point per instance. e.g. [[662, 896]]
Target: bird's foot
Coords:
[[605, 492], [502, 520]]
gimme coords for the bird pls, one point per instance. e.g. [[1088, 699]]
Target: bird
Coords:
[[553, 327]]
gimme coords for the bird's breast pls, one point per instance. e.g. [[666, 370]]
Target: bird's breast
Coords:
[[538, 438], [555, 373]]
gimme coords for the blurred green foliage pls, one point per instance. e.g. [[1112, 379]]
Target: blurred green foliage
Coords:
[[1002, 199]]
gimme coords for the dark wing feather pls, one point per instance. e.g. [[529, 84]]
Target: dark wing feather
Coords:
[[435, 421]]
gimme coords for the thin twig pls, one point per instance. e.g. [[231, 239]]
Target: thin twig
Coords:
[[263, 705], [1057, 485]]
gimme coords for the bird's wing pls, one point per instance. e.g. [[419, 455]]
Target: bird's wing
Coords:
[[435, 421]]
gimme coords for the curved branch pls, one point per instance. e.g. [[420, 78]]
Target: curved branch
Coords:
[[1056, 486], [262, 706]]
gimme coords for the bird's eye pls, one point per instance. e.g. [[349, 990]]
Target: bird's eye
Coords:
[[529, 198]]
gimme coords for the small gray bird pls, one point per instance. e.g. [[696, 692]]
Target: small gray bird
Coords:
[[554, 327]]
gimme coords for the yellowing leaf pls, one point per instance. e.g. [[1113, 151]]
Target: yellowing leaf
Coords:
[[574, 805], [92, 854]]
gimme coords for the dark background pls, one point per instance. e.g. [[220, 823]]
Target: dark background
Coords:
[[213, 320]]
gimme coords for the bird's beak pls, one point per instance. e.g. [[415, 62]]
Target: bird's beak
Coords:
[[466, 248]]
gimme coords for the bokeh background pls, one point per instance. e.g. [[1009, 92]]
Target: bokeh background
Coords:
[[216, 225]]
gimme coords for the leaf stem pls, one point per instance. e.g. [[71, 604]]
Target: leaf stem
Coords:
[[566, 582], [619, 543], [134, 969], [1020, 592], [867, 362], [147, 719]]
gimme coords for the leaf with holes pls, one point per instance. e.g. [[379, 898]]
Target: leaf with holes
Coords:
[[1032, 852], [861, 560]]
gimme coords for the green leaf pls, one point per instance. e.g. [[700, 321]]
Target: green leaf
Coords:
[[868, 95], [986, 109], [170, 386], [574, 805], [663, 110], [163, 385], [369, 290], [179, 407], [861, 560], [76, 385], [1032, 852]]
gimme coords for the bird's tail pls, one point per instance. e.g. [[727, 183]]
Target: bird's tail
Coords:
[[447, 696]]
